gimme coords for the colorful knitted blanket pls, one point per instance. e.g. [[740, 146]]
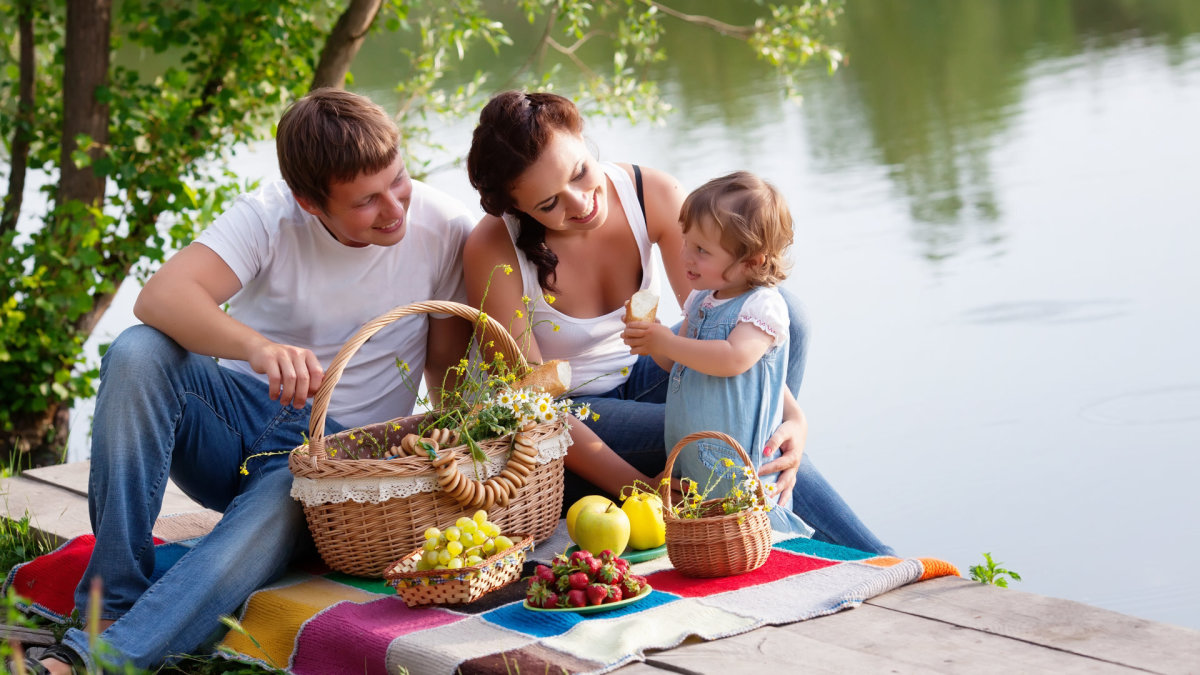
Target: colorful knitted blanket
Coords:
[[326, 623]]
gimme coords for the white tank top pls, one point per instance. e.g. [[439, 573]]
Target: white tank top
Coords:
[[593, 345]]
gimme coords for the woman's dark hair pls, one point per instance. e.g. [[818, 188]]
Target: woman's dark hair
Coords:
[[514, 128]]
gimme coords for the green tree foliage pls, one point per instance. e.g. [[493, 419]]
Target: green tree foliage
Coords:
[[234, 65]]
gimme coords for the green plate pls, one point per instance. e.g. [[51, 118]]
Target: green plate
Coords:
[[635, 556], [591, 609]]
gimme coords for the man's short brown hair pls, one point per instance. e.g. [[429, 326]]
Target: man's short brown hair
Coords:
[[333, 136]]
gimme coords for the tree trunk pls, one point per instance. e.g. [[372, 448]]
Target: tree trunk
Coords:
[[343, 43], [23, 131], [85, 69]]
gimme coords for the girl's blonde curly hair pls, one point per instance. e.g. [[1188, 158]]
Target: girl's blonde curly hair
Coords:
[[753, 219]]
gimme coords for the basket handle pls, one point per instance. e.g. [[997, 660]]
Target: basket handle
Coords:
[[504, 343], [725, 438]]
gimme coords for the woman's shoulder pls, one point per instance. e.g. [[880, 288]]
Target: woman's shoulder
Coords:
[[663, 198], [653, 180], [489, 239]]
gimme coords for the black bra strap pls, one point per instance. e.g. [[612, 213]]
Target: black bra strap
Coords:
[[637, 179]]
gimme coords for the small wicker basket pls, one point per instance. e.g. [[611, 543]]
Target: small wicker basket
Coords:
[[456, 587], [716, 544], [364, 538]]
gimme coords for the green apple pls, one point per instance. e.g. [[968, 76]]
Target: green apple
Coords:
[[589, 503], [597, 530]]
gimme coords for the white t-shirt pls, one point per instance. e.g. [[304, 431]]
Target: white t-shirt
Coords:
[[302, 287]]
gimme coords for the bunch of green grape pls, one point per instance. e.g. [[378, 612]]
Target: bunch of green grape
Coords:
[[468, 542]]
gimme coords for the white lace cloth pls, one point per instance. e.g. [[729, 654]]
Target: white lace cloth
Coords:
[[317, 491]]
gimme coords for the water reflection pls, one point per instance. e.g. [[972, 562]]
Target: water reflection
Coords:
[[934, 85]]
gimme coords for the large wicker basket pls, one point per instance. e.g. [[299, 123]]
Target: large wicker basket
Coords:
[[365, 536], [716, 544]]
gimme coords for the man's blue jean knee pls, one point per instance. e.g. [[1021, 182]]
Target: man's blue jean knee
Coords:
[[162, 411]]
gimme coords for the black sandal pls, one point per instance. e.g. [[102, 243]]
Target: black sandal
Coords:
[[34, 658]]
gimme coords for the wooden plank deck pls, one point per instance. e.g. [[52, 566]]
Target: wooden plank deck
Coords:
[[945, 625]]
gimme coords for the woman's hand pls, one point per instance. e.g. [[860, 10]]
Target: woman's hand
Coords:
[[789, 439]]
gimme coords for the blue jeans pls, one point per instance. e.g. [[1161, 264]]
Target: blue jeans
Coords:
[[161, 411], [631, 423]]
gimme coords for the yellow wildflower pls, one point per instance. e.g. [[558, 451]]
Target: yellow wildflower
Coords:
[[549, 299], [555, 329], [525, 300], [727, 462], [625, 371], [520, 314]]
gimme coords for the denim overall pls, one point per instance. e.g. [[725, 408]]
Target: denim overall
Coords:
[[747, 407]]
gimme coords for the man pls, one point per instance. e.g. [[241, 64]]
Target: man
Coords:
[[302, 263]]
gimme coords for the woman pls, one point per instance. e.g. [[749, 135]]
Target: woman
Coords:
[[578, 236]]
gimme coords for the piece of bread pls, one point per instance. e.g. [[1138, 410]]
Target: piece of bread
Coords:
[[642, 306], [552, 377]]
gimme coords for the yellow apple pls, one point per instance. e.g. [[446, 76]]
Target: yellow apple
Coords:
[[646, 526], [597, 530], [589, 502]]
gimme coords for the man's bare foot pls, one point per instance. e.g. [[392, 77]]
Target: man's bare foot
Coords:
[[56, 667]]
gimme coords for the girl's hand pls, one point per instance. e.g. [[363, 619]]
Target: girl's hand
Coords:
[[644, 337]]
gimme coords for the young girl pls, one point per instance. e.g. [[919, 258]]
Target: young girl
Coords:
[[729, 361]]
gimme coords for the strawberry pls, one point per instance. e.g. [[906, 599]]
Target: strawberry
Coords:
[[544, 573], [578, 581], [538, 593], [622, 565], [633, 585], [550, 601], [560, 565], [574, 598], [580, 557], [614, 594], [607, 555], [594, 566], [563, 582], [597, 593], [609, 574]]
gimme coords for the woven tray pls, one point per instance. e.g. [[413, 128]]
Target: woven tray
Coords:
[[365, 538], [460, 586]]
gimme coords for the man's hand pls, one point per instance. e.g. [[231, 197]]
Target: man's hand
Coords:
[[644, 337], [789, 438], [294, 374]]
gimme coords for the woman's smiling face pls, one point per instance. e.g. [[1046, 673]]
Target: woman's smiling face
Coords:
[[565, 189]]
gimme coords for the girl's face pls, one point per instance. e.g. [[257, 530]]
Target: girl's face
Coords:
[[565, 189], [708, 265]]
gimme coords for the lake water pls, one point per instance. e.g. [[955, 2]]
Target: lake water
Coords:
[[997, 241]]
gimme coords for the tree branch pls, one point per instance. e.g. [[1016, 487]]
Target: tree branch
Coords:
[[344, 42], [740, 32]]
